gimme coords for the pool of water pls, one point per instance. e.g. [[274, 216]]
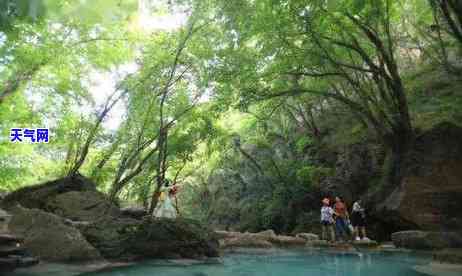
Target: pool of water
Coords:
[[286, 263]]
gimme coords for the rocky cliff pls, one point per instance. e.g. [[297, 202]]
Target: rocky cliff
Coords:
[[428, 197]]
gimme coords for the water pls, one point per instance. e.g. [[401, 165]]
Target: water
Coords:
[[287, 263]]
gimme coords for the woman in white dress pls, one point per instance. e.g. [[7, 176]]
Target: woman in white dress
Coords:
[[165, 208]]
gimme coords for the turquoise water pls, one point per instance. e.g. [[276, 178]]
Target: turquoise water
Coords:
[[291, 263]]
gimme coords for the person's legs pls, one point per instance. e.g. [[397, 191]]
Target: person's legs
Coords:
[[332, 234], [340, 228], [356, 232], [363, 230], [324, 230]]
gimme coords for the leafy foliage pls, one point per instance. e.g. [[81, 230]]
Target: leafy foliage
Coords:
[[245, 105]]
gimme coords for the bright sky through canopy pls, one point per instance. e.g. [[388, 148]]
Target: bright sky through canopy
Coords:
[[153, 15]]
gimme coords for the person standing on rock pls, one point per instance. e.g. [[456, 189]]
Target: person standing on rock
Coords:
[[341, 219], [165, 208], [327, 220], [358, 220]]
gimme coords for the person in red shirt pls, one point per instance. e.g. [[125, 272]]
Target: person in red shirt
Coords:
[[341, 219]]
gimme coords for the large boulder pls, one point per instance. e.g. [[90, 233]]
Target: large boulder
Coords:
[[37, 196], [431, 188], [131, 239], [414, 239], [48, 238], [81, 205], [134, 212], [73, 197]]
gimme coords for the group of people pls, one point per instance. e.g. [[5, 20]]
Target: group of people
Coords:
[[335, 216]]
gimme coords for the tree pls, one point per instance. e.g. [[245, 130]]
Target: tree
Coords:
[[451, 12], [341, 50]]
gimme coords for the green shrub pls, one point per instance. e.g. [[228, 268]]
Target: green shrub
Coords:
[[302, 143]]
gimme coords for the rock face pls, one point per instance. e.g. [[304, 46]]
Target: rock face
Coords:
[[428, 197], [47, 237], [431, 188], [355, 167], [129, 239], [426, 240]]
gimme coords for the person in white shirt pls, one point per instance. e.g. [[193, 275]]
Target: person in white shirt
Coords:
[[358, 220], [327, 220]]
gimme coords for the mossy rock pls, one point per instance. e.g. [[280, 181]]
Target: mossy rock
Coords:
[[37, 196], [82, 206], [48, 238], [130, 239]]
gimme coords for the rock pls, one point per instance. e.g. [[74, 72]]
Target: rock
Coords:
[[6, 251], [37, 196], [13, 255], [448, 255], [76, 223], [226, 234], [355, 166], [426, 240], [318, 243], [439, 269], [8, 264], [308, 236], [47, 237], [75, 198], [387, 247], [365, 243], [431, 187], [264, 239], [133, 212], [81, 205], [287, 241], [27, 261], [130, 239], [266, 233], [3, 194], [7, 238], [246, 241]]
